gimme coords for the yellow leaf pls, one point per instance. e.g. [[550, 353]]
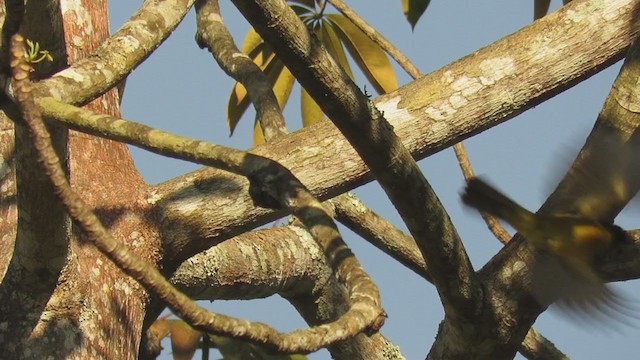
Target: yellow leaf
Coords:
[[184, 340], [370, 58], [236, 105], [238, 101], [311, 112], [258, 135], [161, 328], [332, 43], [251, 41], [413, 10], [282, 84]]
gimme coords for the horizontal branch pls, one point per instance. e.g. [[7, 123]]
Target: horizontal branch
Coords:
[[265, 262]]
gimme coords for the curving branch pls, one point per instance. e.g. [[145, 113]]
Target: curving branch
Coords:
[[213, 34], [310, 148], [290, 264], [369, 132], [410, 110], [272, 186]]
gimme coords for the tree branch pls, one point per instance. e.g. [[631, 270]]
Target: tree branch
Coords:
[[272, 186], [97, 73], [414, 72], [290, 263], [213, 34], [37, 251], [422, 134], [374, 140], [604, 177]]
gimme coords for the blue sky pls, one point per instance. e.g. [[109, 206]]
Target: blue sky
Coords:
[[180, 89]]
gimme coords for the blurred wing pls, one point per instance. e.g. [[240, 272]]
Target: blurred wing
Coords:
[[604, 177], [579, 293]]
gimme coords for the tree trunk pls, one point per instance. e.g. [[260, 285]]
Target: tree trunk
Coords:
[[89, 309]]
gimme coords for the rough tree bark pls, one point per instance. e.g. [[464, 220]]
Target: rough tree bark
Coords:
[[65, 313], [61, 297]]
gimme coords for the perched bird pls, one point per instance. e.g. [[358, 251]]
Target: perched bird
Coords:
[[569, 244]]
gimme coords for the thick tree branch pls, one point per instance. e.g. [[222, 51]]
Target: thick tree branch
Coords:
[[289, 262], [411, 69], [306, 151], [38, 250], [41, 243], [450, 326], [421, 133], [374, 140], [602, 180], [350, 172]]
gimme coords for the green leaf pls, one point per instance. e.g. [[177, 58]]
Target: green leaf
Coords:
[[371, 59], [302, 11], [413, 10]]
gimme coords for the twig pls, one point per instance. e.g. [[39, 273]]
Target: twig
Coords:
[[467, 171]]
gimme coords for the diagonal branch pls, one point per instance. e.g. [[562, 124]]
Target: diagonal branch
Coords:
[[414, 72], [97, 73], [603, 178], [379, 147], [423, 114]]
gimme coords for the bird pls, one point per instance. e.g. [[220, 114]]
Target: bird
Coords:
[[569, 243]]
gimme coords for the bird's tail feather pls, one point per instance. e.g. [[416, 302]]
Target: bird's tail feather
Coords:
[[482, 196]]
